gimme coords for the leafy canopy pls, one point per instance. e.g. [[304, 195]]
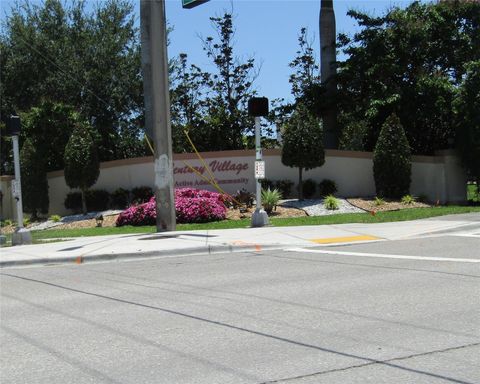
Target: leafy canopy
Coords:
[[409, 62], [89, 59], [468, 120], [302, 140]]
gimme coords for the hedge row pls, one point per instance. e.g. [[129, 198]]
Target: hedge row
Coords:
[[101, 200]]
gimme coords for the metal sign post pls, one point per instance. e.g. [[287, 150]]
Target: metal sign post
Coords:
[[258, 106], [157, 106]]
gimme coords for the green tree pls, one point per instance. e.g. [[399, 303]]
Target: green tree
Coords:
[[90, 59], [302, 143], [468, 121], [230, 88], [306, 75], [304, 81], [392, 160], [34, 180], [48, 127], [187, 95], [410, 62], [82, 166]]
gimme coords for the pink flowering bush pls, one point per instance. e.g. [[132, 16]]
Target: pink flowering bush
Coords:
[[142, 214], [191, 206]]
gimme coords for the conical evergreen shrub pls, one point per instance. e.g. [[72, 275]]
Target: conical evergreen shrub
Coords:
[[34, 180], [392, 160], [82, 166]]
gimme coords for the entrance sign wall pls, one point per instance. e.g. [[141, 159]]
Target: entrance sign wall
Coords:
[[439, 177]]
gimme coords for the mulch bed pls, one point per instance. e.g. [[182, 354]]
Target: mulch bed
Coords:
[[367, 204]]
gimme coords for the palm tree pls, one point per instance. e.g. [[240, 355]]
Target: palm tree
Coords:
[[328, 59]]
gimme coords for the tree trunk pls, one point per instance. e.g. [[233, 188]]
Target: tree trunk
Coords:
[[84, 202], [300, 184], [328, 66]]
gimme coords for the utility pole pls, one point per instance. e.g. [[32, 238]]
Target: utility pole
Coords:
[[328, 67], [157, 106], [21, 235]]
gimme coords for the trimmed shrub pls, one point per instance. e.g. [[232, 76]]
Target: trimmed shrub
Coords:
[[327, 187], [73, 201], [97, 200], [309, 187], [34, 180], [303, 143], [267, 184], [82, 165], [142, 194], [285, 187], [191, 206], [392, 160], [120, 198]]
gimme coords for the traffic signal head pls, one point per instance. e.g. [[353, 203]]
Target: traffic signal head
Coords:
[[13, 125], [258, 106]]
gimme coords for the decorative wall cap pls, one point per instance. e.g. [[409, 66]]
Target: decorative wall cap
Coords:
[[438, 158]]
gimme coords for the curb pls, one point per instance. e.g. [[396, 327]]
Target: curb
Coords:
[[194, 251]]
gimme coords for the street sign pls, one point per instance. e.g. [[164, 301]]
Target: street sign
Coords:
[[192, 3], [259, 170]]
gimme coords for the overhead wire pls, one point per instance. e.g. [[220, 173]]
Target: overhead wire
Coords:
[[210, 180]]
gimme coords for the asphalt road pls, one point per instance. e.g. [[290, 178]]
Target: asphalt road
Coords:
[[387, 312]]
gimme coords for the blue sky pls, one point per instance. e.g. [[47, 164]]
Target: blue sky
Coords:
[[265, 29]]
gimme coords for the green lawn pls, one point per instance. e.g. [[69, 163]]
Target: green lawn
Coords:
[[380, 217]]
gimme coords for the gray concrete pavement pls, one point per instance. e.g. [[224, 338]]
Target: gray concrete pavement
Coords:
[[232, 240], [251, 317]]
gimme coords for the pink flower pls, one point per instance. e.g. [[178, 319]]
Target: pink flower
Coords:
[[191, 206]]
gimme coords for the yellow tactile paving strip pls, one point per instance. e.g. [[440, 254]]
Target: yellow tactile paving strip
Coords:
[[347, 239]]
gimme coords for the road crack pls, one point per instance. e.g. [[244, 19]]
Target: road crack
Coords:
[[387, 362]]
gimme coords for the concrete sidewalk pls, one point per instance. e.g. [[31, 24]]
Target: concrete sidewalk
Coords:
[[180, 243]]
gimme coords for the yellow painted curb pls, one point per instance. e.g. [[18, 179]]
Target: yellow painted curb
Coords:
[[346, 239]]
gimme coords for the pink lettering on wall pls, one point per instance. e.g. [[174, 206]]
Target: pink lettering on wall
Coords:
[[215, 166], [229, 174], [227, 166]]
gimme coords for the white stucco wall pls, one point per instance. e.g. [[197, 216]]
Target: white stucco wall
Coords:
[[437, 177]]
